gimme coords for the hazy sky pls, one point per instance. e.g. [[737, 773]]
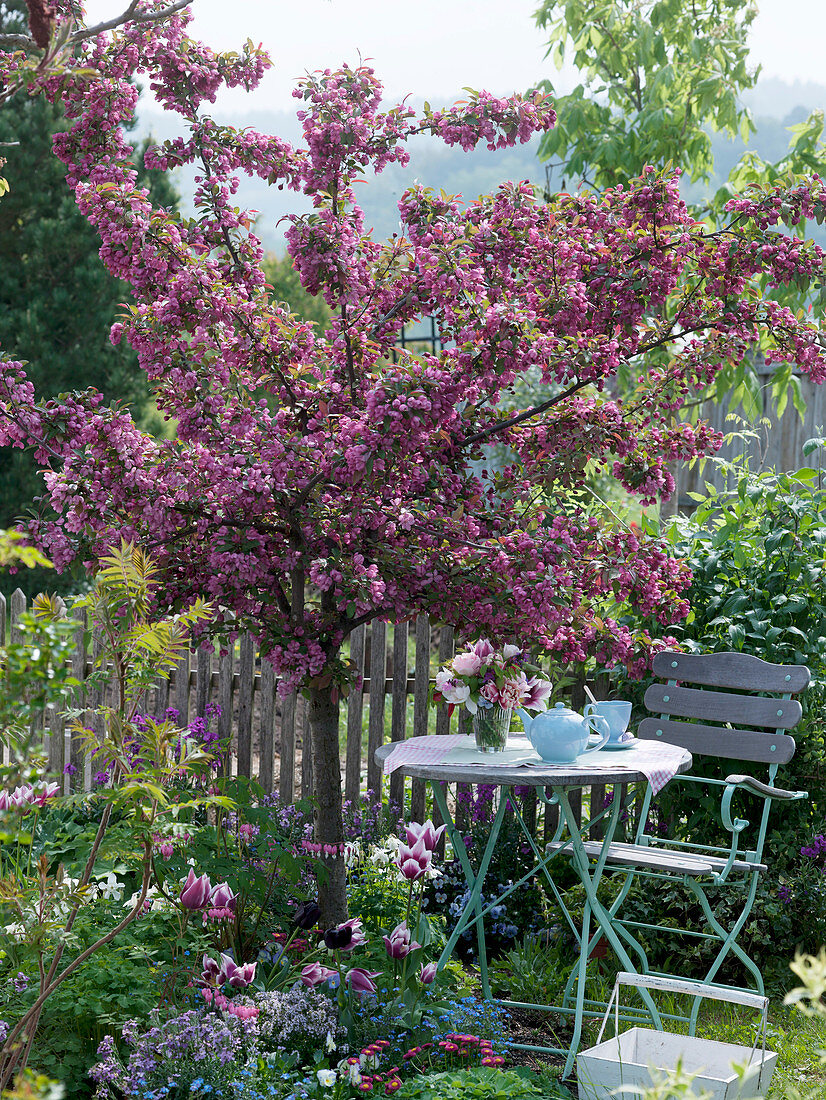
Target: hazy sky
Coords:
[[435, 47]]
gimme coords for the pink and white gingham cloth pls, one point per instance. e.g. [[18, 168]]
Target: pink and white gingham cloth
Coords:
[[422, 750], [659, 762]]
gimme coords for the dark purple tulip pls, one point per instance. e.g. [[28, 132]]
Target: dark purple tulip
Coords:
[[306, 915]]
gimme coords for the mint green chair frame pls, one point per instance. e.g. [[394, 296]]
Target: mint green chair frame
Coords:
[[768, 711]]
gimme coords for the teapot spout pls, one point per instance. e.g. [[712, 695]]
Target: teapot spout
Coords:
[[527, 719]]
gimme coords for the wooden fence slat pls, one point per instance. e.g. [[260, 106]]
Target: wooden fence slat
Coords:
[[77, 758], [225, 692], [246, 669], [17, 607], [203, 680], [442, 716], [55, 737], [306, 752], [286, 774], [181, 675], [375, 726], [266, 748], [398, 699], [355, 710], [420, 708], [161, 696]]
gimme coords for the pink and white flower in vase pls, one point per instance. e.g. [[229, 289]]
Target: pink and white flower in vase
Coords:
[[490, 684]]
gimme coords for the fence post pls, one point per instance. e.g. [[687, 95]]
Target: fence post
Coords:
[[306, 751], [398, 722], [266, 749], [226, 687], [246, 669], [286, 763]]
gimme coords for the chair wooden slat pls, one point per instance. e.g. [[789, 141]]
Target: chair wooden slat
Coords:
[[731, 670], [728, 744], [717, 706]]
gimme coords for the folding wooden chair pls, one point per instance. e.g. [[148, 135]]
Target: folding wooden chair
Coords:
[[748, 726]]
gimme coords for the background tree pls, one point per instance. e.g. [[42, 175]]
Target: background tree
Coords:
[[317, 481], [658, 78], [57, 300]]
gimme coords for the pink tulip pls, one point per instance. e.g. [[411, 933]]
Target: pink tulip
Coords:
[[314, 974], [239, 977], [483, 650], [5, 801], [361, 981], [196, 891], [537, 691], [414, 861], [211, 969], [427, 972], [427, 833], [399, 944], [222, 897], [467, 664]]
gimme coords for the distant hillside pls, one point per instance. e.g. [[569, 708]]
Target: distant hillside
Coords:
[[775, 105]]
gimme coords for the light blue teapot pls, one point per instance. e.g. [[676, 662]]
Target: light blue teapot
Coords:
[[561, 735]]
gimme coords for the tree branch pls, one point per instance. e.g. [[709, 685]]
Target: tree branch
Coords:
[[526, 415], [129, 16]]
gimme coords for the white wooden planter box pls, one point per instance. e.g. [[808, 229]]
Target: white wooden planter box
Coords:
[[633, 1060]]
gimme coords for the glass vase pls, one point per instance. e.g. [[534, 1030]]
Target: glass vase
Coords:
[[490, 728]]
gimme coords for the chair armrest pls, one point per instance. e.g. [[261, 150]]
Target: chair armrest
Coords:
[[763, 789]]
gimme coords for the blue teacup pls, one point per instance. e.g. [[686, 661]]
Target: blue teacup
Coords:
[[617, 713]]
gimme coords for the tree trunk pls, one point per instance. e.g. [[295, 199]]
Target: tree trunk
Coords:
[[329, 826]]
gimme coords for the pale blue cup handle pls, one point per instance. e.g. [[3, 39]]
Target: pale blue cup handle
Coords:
[[600, 727]]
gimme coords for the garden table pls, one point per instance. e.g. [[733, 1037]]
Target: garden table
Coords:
[[635, 765]]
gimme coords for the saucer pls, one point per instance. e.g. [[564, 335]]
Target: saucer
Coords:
[[618, 746]]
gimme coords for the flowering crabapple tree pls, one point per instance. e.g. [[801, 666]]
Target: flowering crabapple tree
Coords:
[[315, 482]]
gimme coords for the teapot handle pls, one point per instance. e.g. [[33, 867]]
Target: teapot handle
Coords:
[[599, 726]]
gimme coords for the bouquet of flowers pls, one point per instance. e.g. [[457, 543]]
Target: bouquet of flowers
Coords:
[[482, 677]]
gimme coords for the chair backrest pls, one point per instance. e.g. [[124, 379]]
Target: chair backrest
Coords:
[[715, 717]]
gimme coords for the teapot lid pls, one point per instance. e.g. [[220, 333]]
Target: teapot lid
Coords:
[[561, 711]]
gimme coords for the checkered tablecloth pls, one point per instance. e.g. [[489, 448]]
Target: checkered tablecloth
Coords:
[[658, 762]]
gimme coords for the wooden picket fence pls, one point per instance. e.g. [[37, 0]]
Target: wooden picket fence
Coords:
[[268, 733]]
